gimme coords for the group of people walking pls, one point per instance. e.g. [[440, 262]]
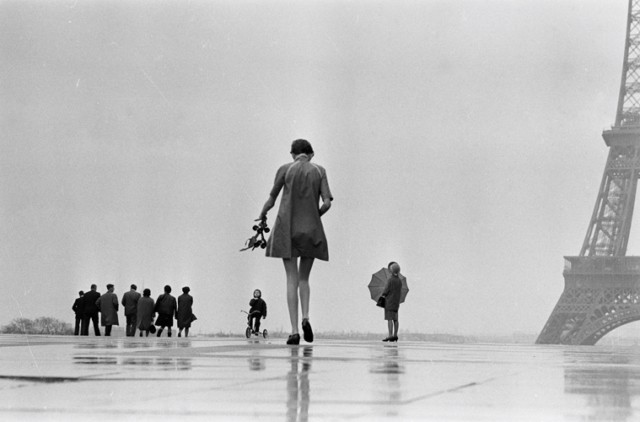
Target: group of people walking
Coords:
[[139, 311]]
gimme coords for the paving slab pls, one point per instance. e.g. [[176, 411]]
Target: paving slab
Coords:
[[60, 378]]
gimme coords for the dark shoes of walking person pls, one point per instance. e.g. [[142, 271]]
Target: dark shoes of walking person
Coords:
[[307, 331], [160, 332], [294, 339], [391, 339]]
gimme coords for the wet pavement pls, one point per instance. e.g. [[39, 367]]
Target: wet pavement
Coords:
[[140, 379]]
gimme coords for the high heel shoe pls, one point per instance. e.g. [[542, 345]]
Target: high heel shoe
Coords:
[[394, 338], [387, 339], [294, 339], [308, 332]]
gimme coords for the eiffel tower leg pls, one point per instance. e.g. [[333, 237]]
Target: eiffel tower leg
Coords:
[[600, 294]]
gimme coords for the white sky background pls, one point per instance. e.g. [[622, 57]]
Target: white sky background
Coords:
[[139, 141]]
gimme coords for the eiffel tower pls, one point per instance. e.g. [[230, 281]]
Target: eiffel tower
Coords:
[[602, 284]]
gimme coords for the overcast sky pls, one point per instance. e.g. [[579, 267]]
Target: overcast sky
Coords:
[[140, 139]]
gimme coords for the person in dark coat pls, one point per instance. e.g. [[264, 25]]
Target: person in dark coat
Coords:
[[145, 312], [108, 306], [166, 307], [257, 310], [130, 304], [297, 231], [90, 311], [185, 312], [78, 308], [391, 293]]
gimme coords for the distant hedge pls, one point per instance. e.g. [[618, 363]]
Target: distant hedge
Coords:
[[42, 325]]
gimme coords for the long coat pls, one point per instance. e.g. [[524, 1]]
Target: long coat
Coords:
[[145, 314], [166, 307], [185, 310], [108, 305], [392, 292]]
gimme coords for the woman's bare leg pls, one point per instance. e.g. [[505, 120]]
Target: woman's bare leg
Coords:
[[303, 285], [298, 288], [291, 269]]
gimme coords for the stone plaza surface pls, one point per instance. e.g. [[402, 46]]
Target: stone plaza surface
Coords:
[[59, 378]]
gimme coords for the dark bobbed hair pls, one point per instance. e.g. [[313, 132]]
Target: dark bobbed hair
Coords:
[[167, 289], [186, 289], [301, 146], [81, 293], [146, 293], [134, 287]]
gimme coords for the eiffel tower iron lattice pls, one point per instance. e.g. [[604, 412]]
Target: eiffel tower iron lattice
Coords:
[[602, 285]]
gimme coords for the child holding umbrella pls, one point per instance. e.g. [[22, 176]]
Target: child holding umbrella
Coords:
[[392, 293]]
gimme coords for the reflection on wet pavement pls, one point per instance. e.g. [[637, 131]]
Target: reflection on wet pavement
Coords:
[[95, 360], [390, 362], [256, 361], [222, 379], [608, 384], [390, 367], [181, 364], [298, 397]]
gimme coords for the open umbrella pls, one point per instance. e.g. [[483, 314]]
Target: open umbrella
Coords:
[[379, 281]]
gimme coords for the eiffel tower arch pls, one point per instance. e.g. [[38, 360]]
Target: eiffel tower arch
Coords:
[[602, 284]]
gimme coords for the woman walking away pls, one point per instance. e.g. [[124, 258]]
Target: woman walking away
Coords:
[[145, 313], [297, 232], [166, 307], [185, 312]]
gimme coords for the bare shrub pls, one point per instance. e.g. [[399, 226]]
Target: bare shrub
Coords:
[[42, 325]]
